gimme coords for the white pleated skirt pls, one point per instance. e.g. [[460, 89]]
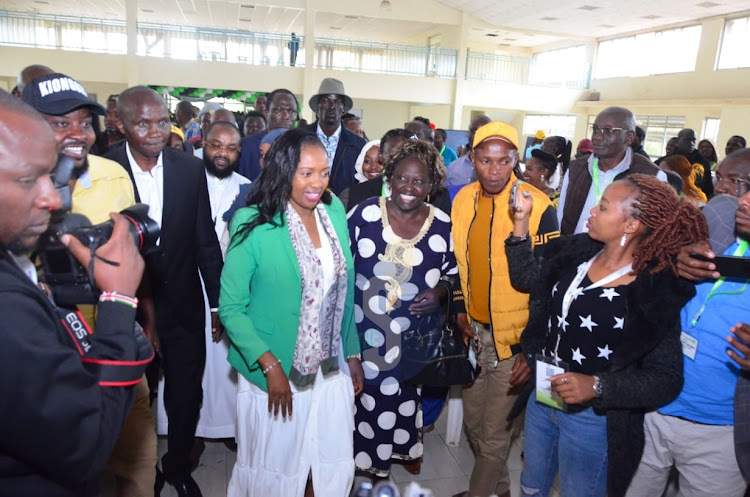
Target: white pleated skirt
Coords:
[[275, 455]]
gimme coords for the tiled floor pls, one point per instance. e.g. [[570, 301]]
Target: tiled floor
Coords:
[[445, 470]]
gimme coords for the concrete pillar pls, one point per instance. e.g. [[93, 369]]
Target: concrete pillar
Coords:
[[458, 92], [308, 85], [131, 29]]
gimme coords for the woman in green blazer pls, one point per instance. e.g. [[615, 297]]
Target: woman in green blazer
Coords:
[[287, 304]]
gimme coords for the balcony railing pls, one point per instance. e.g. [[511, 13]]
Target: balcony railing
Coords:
[[525, 70], [360, 56], [66, 32], [239, 47], [29, 29]]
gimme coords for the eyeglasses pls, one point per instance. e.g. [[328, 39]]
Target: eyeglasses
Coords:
[[596, 130], [231, 149], [739, 185]]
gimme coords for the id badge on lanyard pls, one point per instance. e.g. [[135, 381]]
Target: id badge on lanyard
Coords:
[[689, 342]]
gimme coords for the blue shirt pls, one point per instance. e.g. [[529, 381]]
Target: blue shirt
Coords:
[[528, 150], [330, 143], [460, 172], [449, 155], [191, 130], [710, 379]]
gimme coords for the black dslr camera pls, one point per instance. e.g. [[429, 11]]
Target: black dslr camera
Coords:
[[70, 282]]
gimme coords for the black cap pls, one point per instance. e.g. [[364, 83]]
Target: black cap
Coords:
[[57, 94]]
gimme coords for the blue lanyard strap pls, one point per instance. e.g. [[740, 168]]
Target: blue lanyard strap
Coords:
[[739, 251]]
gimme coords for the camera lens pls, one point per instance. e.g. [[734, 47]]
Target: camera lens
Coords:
[[145, 231]]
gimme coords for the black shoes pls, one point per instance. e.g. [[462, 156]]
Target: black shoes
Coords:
[[185, 487], [188, 488]]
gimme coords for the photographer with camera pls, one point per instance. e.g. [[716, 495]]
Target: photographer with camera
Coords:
[[66, 391], [99, 186]]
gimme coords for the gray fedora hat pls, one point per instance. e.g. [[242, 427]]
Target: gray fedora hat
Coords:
[[331, 86]]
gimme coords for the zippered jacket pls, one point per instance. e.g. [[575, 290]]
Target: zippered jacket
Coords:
[[509, 307]]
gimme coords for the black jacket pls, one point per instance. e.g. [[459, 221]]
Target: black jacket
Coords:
[[58, 425], [347, 151], [646, 370], [188, 243]]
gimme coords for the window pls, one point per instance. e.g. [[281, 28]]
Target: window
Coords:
[[659, 129], [734, 43], [552, 125], [710, 129], [567, 68], [661, 52]]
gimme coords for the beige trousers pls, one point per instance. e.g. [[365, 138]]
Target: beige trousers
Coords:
[[133, 460], [486, 405]]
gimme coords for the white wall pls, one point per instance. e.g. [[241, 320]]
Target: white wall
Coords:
[[388, 101]]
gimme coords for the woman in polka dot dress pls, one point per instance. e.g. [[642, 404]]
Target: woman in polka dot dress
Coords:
[[402, 247]]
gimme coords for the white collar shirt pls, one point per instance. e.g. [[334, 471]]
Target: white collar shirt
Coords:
[[150, 186]]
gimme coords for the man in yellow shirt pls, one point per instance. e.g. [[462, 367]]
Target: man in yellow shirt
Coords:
[[99, 186]]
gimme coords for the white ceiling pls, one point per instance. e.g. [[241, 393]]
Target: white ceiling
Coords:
[[519, 23], [232, 14], [591, 18]]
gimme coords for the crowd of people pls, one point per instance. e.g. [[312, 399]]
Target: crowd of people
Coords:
[[292, 258]]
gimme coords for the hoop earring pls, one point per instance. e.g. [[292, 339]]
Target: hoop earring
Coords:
[[623, 240], [428, 198]]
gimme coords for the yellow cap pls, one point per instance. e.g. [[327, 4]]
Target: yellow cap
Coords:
[[177, 131], [496, 129], [540, 135]]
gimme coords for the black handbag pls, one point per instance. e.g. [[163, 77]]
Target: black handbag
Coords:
[[434, 353]]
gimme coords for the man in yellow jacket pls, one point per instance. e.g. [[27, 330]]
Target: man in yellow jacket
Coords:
[[496, 312]]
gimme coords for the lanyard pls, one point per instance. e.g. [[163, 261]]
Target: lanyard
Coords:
[[595, 174], [574, 290], [739, 251]]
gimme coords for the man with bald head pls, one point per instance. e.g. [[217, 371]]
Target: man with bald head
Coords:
[[461, 171], [173, 184], [612, 159], [733, 174], [219, 115], [62, 419]]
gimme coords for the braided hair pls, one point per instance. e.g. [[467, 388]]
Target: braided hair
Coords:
[[671, 223]]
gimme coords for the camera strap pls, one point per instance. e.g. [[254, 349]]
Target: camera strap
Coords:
[[112, 373]]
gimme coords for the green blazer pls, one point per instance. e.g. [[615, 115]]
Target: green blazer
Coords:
[[261, 293]]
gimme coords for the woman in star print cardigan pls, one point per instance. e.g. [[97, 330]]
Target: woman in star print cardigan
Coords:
[[645, 369]]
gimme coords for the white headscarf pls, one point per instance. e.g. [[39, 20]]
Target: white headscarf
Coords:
[[361, 160]]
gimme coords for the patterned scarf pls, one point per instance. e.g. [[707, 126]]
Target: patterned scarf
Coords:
[[321, 311]]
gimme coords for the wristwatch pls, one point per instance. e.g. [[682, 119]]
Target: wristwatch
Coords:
[[597, 386]]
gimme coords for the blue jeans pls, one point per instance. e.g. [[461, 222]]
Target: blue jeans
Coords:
[[574, 443]]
